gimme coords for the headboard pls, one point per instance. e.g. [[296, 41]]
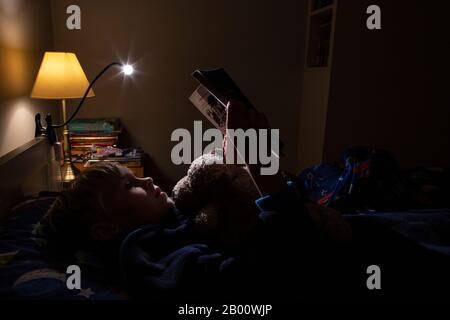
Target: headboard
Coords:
[[26, 171]]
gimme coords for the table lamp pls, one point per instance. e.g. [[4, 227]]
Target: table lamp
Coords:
[[61, 77]]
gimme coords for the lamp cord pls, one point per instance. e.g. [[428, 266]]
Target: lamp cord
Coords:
[[85, 94]]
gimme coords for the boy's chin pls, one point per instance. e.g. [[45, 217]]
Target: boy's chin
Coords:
[[170, 202]]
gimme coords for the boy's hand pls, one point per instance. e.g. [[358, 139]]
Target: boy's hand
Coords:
[[240, 116]]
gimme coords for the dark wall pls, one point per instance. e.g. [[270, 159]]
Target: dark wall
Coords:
[[387, 88], [25, 34], [260, 43]]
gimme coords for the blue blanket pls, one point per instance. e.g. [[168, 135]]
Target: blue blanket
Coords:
[[284, 258], [288, 258], [429, 229], [158, 261]]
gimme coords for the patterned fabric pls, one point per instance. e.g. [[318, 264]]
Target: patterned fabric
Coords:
[[25, 273]]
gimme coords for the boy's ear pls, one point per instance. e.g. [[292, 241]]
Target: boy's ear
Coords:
[[104, 231]]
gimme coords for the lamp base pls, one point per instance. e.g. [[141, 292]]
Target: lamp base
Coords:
[[68, 173]]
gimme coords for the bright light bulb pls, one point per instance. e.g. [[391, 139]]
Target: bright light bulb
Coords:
[[128, 69]]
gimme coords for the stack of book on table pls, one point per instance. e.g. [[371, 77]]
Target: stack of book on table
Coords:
[[95, 140], [82, 145], [89, 135], [126, 157]]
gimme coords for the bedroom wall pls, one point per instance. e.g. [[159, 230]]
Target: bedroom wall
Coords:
[[259, 42], [25, 34], [387, 87]]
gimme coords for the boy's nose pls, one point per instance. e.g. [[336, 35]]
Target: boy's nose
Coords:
[[148, 182]]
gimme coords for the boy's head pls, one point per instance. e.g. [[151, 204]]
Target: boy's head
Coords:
[[106, 200]]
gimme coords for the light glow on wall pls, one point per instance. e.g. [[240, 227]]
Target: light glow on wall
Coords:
[[15, 73], [18, 126], [12, 28]]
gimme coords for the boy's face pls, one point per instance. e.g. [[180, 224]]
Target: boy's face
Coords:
[[137, 201]]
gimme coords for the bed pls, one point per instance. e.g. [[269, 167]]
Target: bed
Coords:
[[29, 185], [26, 171]]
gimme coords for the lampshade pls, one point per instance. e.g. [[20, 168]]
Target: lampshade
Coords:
[[60, 77]]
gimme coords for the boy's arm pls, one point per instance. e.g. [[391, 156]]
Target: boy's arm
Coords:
[[277, 195], [241, 117]]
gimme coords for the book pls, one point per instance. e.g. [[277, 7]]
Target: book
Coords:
[[212, 96], [95, 125], [90, 135], [213, 111]]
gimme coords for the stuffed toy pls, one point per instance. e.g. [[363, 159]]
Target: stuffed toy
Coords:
[[220, 199]]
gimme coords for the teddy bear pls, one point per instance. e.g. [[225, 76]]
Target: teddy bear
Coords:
[[219, 198]]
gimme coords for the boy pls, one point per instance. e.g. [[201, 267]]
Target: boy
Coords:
[[135, 226]]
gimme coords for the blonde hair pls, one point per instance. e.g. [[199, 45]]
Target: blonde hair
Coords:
[[69, 221]]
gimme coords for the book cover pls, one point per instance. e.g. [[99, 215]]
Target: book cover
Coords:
[[212, 96], [95, 125]]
